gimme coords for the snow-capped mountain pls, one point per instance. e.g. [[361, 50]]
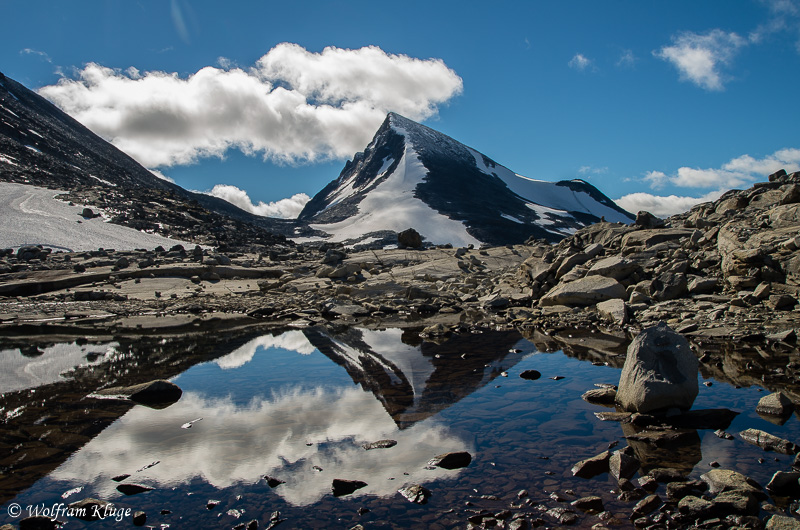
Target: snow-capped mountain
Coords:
[[411, 176]]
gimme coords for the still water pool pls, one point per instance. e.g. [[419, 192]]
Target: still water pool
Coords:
[[299, 406]]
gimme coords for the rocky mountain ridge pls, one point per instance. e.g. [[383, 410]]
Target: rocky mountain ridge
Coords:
[[413, 176]]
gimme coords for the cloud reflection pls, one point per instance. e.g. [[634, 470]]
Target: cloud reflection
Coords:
[[235, 444]]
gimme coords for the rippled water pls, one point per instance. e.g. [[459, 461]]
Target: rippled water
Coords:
[[298, 407]]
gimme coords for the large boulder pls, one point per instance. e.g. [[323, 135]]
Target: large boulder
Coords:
[[585, 291], [615, 267], [409, 239], [660, 372]]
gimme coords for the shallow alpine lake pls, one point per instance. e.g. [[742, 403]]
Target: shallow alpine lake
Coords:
[[298, 407]]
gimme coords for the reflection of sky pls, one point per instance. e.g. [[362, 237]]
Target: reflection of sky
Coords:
[[18, 372], [301, 399]]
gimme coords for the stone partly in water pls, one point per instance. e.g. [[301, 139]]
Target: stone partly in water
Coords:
[[593, 466], [342, 487], [133, 489], [775, 404], [380, 444], [769, 442], [720, 480], [454, 460], [415, 493], [660, 372], [154, 392]]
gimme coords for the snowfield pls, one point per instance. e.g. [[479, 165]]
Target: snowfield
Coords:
[[32, 216]]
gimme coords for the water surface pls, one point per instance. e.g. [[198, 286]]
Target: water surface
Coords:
[[298, 407]]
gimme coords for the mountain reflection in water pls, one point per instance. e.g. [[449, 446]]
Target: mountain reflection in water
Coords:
[[267, 408]]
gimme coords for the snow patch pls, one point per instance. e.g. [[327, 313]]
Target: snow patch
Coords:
[[103, 181], [511, 218]]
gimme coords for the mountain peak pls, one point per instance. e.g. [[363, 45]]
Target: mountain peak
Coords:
[[413, 176]]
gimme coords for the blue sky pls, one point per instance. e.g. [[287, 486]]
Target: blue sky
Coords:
[[662, 103]]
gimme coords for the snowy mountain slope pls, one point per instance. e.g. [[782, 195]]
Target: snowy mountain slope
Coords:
[[40, 145], [413, 176]]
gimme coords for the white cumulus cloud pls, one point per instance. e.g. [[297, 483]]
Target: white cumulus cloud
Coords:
[[736, 172], [288, 208], [700, 58], [663, 206], [292, 106]]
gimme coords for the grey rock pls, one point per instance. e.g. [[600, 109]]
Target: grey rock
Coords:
[[593, 250], [669, 286], [775, 404], [409, 239], [89, 509], [660, 372], [782, 522], [592, 503], [593, 466], [159, 391], [615, 267], [694, 507], [133, 489], [742, 502], [415, 493], [791, 195], [570, 262], [139, 518], [781, 302], [455, 460], [341, 487], [380, 444], [585, 291], [785, 484], [603, 396], [769, 442], [614, 310], [563, 516], [648, 220], [703, 285], [345, 270], [333, 256], [647, 505], [720, 480], [622, 466]]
